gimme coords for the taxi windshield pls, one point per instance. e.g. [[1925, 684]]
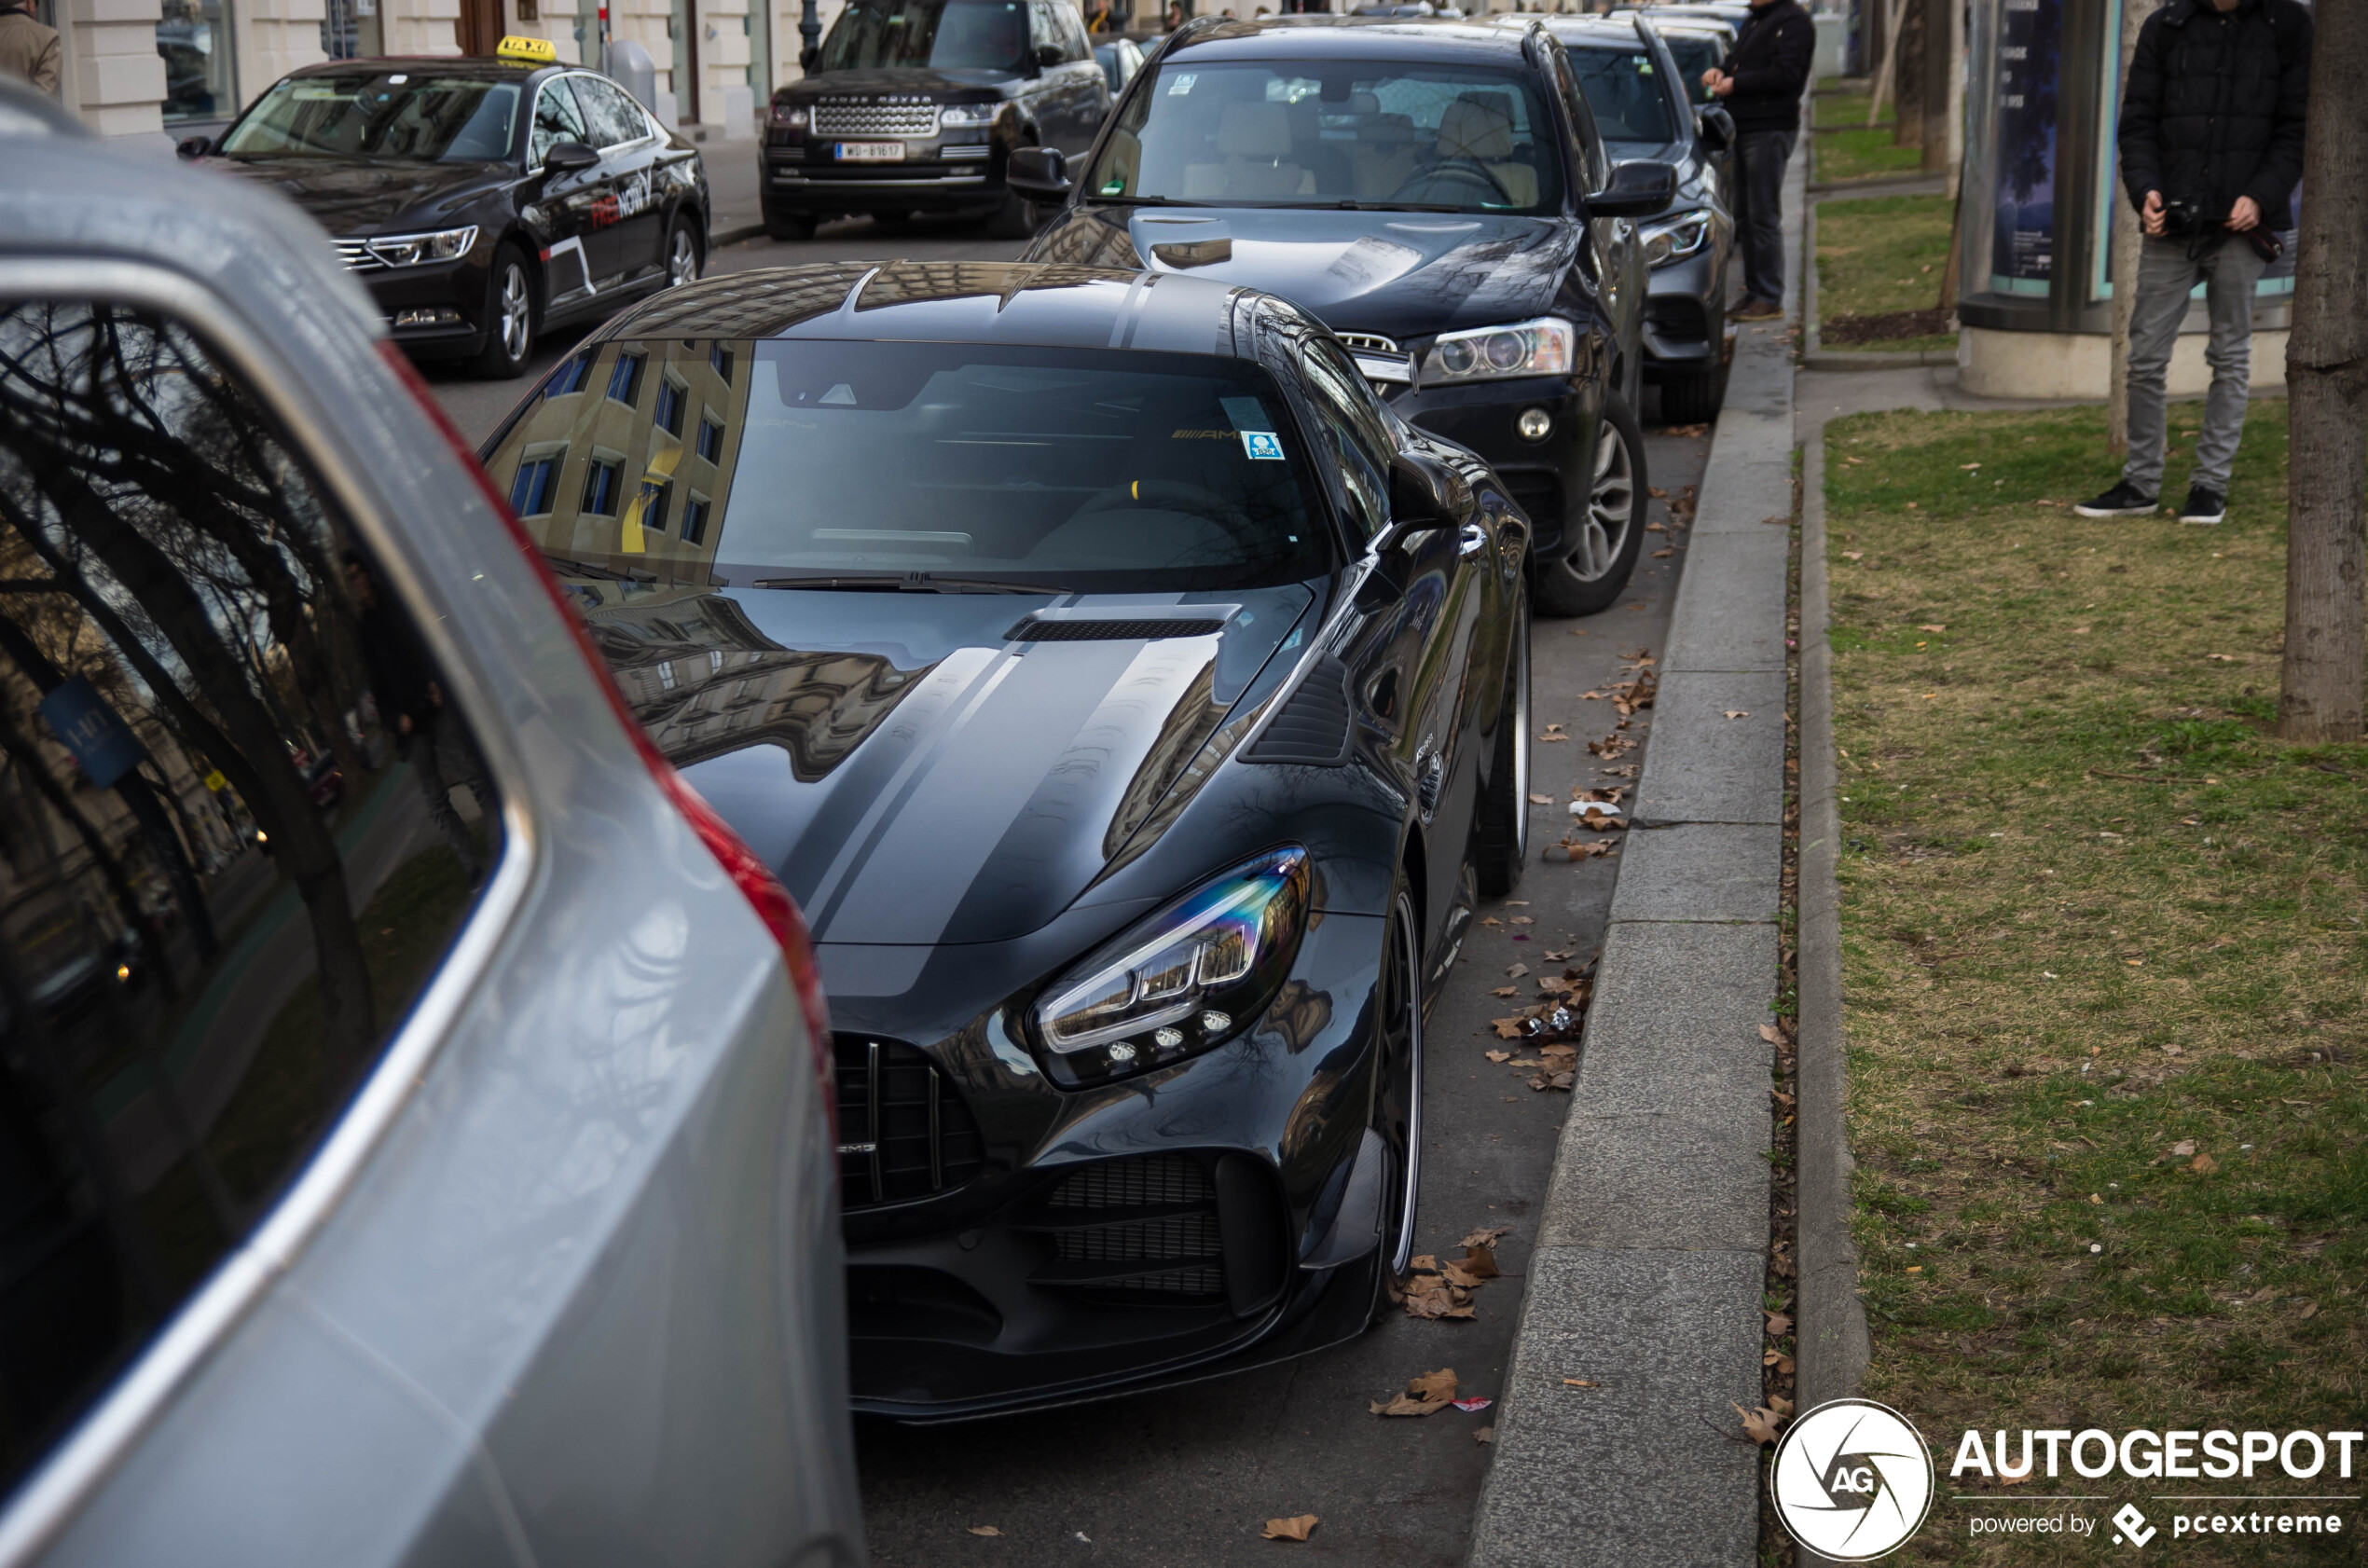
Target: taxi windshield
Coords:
[[378, 114], [946, 34]]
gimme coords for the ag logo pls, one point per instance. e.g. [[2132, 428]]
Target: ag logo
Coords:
[[1851, 1481]]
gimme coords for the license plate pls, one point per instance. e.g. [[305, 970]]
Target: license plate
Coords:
[[871, 152]]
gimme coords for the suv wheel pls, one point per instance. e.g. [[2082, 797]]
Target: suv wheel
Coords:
[[1603, 536]]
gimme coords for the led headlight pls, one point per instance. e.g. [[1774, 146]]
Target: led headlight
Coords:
[[1668, 240], [1186, 979], [410, 250], [1547, 346], [967, 117], [785, 116]]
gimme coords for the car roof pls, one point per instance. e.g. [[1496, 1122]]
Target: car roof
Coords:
[[1351, 37], [1609, 32], [467, 68], [1039, 303]]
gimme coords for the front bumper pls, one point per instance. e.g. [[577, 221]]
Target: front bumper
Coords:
[[1684, 316], [457, 289], [798, 178], [1013, 1245], [1544, 476]]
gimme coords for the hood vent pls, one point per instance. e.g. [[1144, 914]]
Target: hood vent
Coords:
[[1035, 630], [1312, 728]]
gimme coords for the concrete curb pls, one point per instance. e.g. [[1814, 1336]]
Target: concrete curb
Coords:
[[1640, 1317], [1812, 338]]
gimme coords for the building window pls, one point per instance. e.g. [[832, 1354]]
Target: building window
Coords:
[[671, 399], [600, 489], [624, 379], [694, 519], [538, 479], [720, 357], [570, 376], [656, 495], [711, 439], [194, 38]]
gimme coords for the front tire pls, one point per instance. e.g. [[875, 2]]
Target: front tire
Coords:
[[1501, 821], [1692, 397], [1016, 219], [683, 253], [1603, 538], [1398, 1089], [509, 318]]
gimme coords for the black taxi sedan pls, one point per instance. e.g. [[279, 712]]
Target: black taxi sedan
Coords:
[[481, 201]]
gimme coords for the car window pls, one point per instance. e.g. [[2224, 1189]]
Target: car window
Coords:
[[377, 113], [1625, 93], [1317, 133], [1597, 164], [1091, 470], [1059, 22], [613, 117], [1359, 431], [557, 119], [1694, 54], [226, 866]]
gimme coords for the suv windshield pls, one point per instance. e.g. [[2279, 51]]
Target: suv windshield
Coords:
[[772, 462], [947, 34], [378, 114], [1695, 53], [1625, 93], [1306, 133]]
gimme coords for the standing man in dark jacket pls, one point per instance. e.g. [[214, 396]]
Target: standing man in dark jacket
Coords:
[[2210, 148], [1761, 83]]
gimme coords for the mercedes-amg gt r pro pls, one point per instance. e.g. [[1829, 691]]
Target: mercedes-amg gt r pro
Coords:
[[1134, 704]]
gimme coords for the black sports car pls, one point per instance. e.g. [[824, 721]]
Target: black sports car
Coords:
[[1134, 704], [480, 200]]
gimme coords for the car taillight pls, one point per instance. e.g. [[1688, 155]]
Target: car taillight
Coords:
[[754, 879]]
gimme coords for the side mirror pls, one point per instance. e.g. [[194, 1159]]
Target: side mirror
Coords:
[[569, 158], [807, 57], [1424, 493], [1642, 189], [192, 148], [1047, 54], [1718, 127], [1039, 174]]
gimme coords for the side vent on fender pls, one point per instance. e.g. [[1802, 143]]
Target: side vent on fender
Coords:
[[1312, 728]]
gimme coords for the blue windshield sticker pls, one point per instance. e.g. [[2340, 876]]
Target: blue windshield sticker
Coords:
[[1183, 85], [1263, 445]]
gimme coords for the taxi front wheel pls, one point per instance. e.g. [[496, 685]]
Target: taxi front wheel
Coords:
[[509, 316]]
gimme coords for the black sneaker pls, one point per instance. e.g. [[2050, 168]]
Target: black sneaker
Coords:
[[2123, 500], [2206, 507]]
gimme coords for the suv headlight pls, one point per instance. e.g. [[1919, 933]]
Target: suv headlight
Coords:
[[410, 250], [1547, 346], [1668, 240], [1184, 980], [785, 116], [967, 117]]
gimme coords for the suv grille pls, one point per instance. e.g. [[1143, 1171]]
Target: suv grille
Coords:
[[1368, 342], [356, 256], [1136, 1228], [875, 119], [907, 1132]]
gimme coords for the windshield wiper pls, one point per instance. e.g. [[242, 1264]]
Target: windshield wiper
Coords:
[[1146, 201], [905, 582]]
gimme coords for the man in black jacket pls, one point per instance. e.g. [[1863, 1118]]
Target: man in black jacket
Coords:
[[1760, 83], [2210, 144]]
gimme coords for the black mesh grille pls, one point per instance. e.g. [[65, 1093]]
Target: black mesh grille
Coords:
[[1312, 728], [1139, 1183], [1108, 631], [1134, 1228], [904, 1132], [1541, 497]]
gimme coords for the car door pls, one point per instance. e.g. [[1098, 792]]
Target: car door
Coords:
[[629, 149], [579, 248]]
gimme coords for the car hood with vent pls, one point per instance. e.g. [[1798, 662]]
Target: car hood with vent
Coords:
[[915, 775]]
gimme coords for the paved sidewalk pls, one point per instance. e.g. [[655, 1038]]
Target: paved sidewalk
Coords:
[[1646, 1285]]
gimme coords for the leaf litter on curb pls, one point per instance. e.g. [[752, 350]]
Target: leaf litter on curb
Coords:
[[984, 1530], [1295, 1528], [1426, 1393], [1433, 1289]]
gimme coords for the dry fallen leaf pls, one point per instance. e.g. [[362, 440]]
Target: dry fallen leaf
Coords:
[[1779, 1324], [1499, 1055], [1480, 1261], [1517, 970], [984, 1530], [1934, 627], [1762, 1425], [2016, 1477], [2202, 1164], [1507, 1028], [1541, 800], [1522, 920], [1853, 555], [1778, 1359], [1484, 1434], [1295, 1528], [1506, 990], [1488, 1237], [1738, 713], [2183, 1148], [1579, 1383], [1771, 1034]]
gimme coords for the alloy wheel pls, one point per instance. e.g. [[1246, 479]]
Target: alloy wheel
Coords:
[[1397, 1094], [1611, 510], [1520, 720], [682, 259], [517, 310]]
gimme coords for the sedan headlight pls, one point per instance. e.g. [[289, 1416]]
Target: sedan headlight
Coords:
[[1546, 347], [967, 117], [1668, 240], [1188, 978], [411, 249]]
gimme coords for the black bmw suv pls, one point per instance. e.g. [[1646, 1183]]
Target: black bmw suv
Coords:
[[1438, 193], [915, 106]]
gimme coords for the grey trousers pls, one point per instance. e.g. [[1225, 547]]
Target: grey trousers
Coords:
[[2166, 276], [1760, 156]]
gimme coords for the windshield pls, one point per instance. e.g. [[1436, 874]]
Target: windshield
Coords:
[[770, 463], [1695, 53], [1625, 93], [949, 34], [1302, 133], [374, 113]]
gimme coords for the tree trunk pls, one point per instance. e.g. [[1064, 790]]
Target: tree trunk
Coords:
[[1893, 17], [2123, 264], [1941, 29], [2327, 391], [1907, 72]]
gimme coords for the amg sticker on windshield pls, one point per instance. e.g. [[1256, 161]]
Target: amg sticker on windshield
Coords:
[[1262, 444]]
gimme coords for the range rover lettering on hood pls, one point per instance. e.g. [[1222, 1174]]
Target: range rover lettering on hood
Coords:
[[1009, 773]]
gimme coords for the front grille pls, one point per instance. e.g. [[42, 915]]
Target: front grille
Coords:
[[1540, 495], [875, 119], [1033, 630], [356, 256], [1368, 342], [906, 1132], [1145, 1227]]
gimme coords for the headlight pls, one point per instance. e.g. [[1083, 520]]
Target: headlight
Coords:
[[410, 250], [967, 117], [1188, 978], [1668, 240], [785, 116], [1545, 346]]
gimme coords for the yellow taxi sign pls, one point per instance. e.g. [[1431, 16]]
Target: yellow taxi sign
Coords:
[[527, 51]]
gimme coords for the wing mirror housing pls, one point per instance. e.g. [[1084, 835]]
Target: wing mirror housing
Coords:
[[191, 148], [1047, 54], [1643, 189], [569, 158], [1716, 127], [1424, 493], [1039, 174], [807, 58]]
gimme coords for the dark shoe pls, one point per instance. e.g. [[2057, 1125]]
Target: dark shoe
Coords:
[[2206, 507], [2123, 500], [1759, 311]]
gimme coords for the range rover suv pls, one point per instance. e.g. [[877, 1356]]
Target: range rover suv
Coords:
[[914, 106]]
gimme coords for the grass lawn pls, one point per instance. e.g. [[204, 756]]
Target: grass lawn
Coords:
[[1861, 154], [1848, 108], [1879, 261], [2104, 960]]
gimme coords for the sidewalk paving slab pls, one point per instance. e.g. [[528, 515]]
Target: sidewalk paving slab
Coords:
[[1704, 766], [1731, 607], [1701, 870]]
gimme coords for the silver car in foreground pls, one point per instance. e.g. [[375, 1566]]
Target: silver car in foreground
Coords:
[[414, 1147]]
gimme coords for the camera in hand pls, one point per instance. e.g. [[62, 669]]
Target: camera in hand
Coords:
[[2184, 220]]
